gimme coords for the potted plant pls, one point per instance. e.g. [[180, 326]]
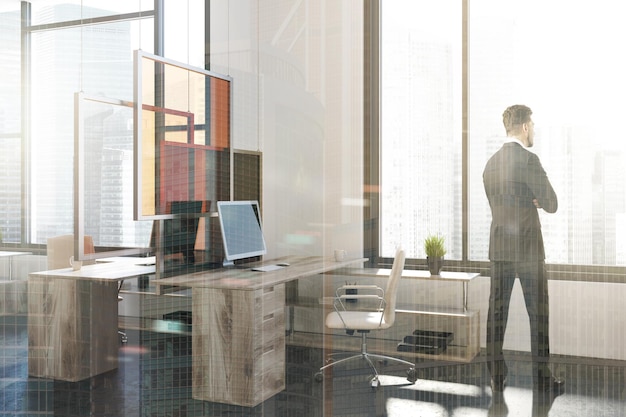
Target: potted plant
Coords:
[[435, 251]]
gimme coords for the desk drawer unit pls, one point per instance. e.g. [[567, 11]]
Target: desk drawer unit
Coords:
[[72, 328], [238, 344]]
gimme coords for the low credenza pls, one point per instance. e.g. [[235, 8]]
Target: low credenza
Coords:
[[459, 319]]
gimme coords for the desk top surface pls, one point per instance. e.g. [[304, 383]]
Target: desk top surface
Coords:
[[244, 278], [101, 271]]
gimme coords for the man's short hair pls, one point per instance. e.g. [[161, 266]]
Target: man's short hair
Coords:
[[515, 116]]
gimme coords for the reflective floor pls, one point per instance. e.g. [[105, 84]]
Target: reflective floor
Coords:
[[154, 379]]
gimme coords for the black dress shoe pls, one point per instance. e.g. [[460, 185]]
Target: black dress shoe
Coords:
[[551, 385], [498, 383]]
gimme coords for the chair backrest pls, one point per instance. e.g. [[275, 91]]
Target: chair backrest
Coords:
[[389, 315], [61, 248]]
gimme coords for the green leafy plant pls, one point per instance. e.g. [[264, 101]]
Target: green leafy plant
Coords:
[[434, 245]]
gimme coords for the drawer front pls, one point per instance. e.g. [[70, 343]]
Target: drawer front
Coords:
[[270, 365]]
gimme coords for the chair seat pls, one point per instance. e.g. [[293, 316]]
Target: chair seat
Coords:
[[357, 320]]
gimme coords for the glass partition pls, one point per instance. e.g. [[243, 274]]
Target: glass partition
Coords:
[[182, 135], [103, 181]]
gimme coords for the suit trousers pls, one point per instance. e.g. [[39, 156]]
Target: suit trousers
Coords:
[[534, 283]]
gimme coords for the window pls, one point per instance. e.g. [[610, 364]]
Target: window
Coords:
[[573, 81], [96, 59], [420, 125], [516, 53], [76, 46], [58, 11], [10, 116]]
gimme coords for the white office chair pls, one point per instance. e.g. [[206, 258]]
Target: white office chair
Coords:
[[380, 317], [61, 248]]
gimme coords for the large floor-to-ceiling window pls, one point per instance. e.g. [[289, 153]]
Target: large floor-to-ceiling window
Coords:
[[569, 71], [448, 69], [55, 49], [10, 130], [421, 127]]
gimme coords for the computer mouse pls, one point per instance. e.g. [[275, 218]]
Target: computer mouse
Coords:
[[282, 264]]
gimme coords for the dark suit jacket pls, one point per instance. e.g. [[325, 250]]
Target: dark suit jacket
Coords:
[[513, 177]]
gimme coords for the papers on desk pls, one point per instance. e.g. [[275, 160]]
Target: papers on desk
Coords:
[[267, 268]]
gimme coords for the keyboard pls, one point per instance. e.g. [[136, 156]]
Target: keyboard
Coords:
[[267, 268]]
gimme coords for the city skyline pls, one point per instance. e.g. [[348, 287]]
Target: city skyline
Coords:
[[418, 87]]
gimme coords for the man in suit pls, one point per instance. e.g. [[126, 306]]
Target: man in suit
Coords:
[[517, 187]]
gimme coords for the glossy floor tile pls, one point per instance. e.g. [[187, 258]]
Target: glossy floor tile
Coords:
[[154, 379]]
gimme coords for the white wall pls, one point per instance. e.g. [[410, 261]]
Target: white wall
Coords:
[[586, 318], [297, 84]]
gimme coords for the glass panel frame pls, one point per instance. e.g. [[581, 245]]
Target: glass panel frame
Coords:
[[85, 191]]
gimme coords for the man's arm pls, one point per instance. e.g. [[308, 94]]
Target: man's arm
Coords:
[[544, 195]]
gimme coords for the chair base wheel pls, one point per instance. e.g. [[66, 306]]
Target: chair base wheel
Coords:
[[411, 375], [319, 377]]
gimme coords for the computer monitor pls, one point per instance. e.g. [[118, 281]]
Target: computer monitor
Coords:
[[242, 233], [179, 233]]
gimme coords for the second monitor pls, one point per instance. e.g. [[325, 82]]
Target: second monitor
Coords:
[[242, 232]]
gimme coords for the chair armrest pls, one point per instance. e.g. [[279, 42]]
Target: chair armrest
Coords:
[[368, 289], [360, 287], [373, 296], [360, 296]]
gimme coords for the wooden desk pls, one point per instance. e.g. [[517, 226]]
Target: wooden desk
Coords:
[[72, 319], [238, 330]]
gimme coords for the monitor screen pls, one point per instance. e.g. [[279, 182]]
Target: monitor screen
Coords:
[[179, 234], [242, 233]]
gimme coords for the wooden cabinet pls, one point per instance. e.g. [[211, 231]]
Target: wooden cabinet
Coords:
[[72, 319], [238, 344], [72, 328]]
